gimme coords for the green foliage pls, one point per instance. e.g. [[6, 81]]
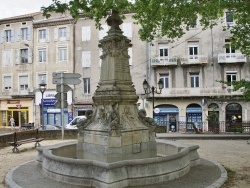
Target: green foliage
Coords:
[[171, 18]]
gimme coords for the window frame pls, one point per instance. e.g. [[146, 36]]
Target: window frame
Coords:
[[5, 85], [42, 34], [231, 75], [163, 52], [165, 79], [43, 53], [24, 33], [194, 80], [7, 34], [86, 85], [24, 56], [62, 53]]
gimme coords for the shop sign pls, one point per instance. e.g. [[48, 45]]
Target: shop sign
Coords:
[[55, 110], [49, 102]]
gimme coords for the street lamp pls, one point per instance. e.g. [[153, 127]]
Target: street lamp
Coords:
[[152, 90], [42, 88]]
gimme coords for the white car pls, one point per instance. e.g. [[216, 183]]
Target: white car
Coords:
[[73, 123]]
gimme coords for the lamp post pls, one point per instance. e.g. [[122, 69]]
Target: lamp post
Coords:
[[42, 88], [152, 90]]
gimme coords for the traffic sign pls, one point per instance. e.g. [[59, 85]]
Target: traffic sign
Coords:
[[58, 103], [70, 81], [66, 88], [66, 78]]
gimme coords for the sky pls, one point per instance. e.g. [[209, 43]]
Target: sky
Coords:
[[10, 8]]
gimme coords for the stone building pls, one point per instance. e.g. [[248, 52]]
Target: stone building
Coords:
[[190, 69], [31, 49]]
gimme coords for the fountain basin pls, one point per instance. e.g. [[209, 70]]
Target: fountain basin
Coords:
[[59, 163]]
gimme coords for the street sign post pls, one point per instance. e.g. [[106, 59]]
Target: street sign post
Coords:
[[62, 79], [66, 78]]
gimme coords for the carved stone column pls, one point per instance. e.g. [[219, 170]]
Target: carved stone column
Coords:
[[115, 131]]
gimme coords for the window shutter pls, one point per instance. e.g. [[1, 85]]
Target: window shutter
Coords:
[[3, 58], [86, 58], [47, 35], [18, 32], [17, 56], [86, 33], [127, 29], [1, 37], [12, 38], [7, 81], [56, 34], [30, 56], [68, 33], [29, 33], [100, 60], [130, 54], [103, 32]]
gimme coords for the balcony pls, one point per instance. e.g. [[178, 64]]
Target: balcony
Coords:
[[231, 58], [197, 92], [194, 60], [164, 61]]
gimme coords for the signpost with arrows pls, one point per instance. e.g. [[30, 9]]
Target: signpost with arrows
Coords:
[[61, 80]]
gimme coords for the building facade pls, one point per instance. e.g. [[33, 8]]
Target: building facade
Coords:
[[33, 47]]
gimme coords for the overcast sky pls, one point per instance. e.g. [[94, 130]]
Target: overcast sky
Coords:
[[10, 8]]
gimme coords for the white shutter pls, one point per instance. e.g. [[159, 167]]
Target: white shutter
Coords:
[[100, 60], [12, 37], [18, 32], [130, 54], [86, 58], [30, 56], [3, 57], [86, 33], [68, 33], [56, 34], [17, 56], [47, 35], [103, 32], [127, 29], [29, 33], [1, 37]]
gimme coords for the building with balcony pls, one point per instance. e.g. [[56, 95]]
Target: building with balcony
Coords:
[[32, 48]]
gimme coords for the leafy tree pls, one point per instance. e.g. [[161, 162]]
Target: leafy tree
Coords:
[[245, 85], [171, 18]]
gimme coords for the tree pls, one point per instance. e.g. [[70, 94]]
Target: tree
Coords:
[[245, 86], [171, 18]]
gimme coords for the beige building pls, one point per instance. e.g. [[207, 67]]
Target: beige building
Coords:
[[190, 69], [88, 62], [32, 48]]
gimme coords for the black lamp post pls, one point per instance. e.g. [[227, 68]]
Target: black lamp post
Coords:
[[42, 88], [152, 90]]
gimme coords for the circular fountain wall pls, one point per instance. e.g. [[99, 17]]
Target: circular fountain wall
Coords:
[[59, 162]]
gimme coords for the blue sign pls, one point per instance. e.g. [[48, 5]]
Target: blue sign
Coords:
[[49, 102]]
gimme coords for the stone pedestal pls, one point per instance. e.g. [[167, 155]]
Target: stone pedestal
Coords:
[[115, 130]]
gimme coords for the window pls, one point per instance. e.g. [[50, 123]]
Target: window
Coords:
[[195, 79], [7, 82], [193, 23], [8, 35], [86, 85], [41, 78], [24, 55], [127, 29], [42, 55], [86, 33], [24, 33], [163, 50], [42, 34], [62, 54], [62, 32], [231, 77], [7, 58], [86, 58], [193, 50], [165, 79], [103, 32], [23, 82], [229, 18]]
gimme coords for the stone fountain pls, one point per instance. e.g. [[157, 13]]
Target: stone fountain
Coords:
[[116, 144]]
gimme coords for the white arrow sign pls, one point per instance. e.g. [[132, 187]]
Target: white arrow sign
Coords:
[[66, 78], [66, 88]]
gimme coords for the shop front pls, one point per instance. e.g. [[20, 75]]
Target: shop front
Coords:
[[21, 110]]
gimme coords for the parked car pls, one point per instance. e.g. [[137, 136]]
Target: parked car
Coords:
[[73, 123]]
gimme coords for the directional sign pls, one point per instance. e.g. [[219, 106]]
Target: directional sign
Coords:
[[66, 78], [66, 88], [59, 101]]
